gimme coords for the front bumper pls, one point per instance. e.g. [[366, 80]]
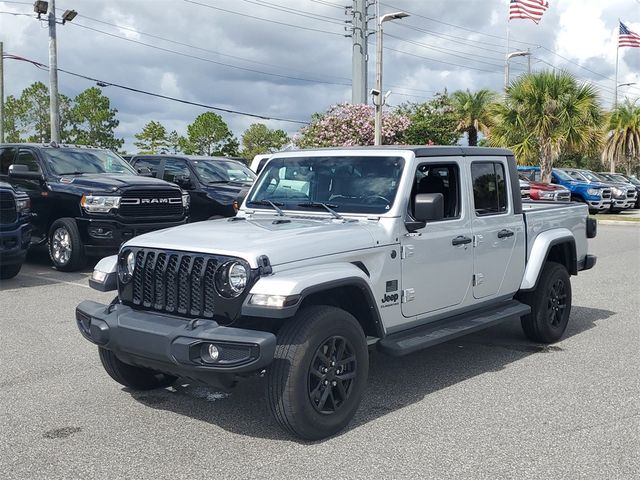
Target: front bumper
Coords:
[[14, 244], [104, 236], [623, 203], [599, 204], [174, 345]]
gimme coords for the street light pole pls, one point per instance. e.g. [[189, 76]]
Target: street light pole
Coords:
[[618, 85], [53, 75], [523, 53], [378, 97]]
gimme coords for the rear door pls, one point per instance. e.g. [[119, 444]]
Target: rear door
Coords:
[[496, 230]]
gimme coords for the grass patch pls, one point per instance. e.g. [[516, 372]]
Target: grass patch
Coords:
[[619, 218]]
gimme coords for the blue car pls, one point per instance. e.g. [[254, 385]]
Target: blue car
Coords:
[[596, 195]]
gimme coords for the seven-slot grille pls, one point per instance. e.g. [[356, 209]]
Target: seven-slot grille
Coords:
[[8, 212], [179, 283], [151, 203]]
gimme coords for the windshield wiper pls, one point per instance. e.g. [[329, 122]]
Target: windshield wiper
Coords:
[[273, 205], [327, 206]]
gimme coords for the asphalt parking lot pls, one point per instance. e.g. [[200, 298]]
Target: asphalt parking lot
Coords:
[[491, 405]]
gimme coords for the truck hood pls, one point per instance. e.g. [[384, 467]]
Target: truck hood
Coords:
[[282, 239], [547, 187], [103, 183], [228, 192]]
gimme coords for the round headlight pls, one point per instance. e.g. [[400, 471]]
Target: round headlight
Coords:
[[231, 279], [131, 263]]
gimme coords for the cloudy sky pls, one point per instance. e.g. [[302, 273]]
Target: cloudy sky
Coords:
[[289, 58]]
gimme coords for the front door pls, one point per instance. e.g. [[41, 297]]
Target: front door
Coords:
[[37, 191], [437, 260], [496, 229]]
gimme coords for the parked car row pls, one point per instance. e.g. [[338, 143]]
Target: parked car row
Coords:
[[601, 192], [82, 201]]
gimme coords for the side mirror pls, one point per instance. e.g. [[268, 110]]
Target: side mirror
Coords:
[[22, 171], [428, 207], [145, 172], [183, 181]]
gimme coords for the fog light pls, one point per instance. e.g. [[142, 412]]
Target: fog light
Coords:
[[213, 353]]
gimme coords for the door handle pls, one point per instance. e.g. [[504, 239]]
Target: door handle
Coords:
[[460, 240], [505, 233]]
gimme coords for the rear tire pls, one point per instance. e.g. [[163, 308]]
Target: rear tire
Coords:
[[319, 373], [550, 305], [136, 378], [9, 271], [65, 246]]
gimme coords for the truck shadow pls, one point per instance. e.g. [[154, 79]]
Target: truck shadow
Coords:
[[393, 383]]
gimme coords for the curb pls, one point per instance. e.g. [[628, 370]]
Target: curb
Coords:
[[618, 222]]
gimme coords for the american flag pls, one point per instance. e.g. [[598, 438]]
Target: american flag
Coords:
[[627, 38], [527, 9]]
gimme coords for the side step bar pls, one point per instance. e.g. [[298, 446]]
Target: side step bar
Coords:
[[403, 343]]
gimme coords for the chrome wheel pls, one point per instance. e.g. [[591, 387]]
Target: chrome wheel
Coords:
[[61, 246]]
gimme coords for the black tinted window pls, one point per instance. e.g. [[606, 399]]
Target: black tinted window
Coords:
[[439, 178], [489, 188], [174, 168], [152, 164], [7, 156], [26, 157]]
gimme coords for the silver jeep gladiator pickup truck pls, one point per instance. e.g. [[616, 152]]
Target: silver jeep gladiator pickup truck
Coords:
[[336, 253]]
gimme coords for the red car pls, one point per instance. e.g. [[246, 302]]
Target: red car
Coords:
[[545, 191]]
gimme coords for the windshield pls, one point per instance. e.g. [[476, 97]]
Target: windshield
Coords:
[[345, 184], [565, 176], [215, 171], [617, 178], [634, 180], [592, 177], [77, 162]]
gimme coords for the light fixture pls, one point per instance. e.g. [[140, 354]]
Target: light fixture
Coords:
[[40, 7], [68, 15]]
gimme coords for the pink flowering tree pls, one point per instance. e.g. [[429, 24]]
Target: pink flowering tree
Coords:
[[345, 125]]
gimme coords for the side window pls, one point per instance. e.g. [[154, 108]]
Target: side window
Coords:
[[7, 156], [152, 164], [26, 157], [441, 178], [175, 168], [489, 188]]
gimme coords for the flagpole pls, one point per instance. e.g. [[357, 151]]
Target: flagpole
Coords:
[[506, 59], [615, 100]]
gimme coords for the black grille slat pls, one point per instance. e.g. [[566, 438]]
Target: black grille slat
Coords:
[[184, 285], [209, 288], [171, 283], [148, 284], [137, 278], [197, 278], [159, 281], [8, 212]]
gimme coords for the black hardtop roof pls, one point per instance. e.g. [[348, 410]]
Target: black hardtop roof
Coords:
[[422, 150], [185, 157]]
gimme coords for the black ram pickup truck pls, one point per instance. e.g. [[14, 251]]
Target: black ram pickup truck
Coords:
[[15, 230], [88, 201], [217, 185]]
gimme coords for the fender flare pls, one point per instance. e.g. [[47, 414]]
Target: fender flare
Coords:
[[306, 281], [540, 252]]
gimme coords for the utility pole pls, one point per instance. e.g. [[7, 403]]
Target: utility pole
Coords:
[[359, 56], [53, 75], [1, 93]]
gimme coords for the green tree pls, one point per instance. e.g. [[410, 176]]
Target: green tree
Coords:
[[94, 121], [473, 112], [259, 138], [174, 142], [35, 117], [432, 122], [152, 139], [623, 142], [545, 113], [209, 135], [15, 119]]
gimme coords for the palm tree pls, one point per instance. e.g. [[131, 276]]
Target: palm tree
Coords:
[[623, 141], [545, 114], [473, 112]]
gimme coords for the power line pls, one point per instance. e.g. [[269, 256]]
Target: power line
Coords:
[[104, 83], [246, 15], [295, 11]]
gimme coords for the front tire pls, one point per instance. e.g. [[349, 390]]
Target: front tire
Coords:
[[65, 246], [319, 373], [9, 271], [550, 305], [136, 378]]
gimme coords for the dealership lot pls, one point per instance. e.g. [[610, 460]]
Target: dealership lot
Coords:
[[485, 406]]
